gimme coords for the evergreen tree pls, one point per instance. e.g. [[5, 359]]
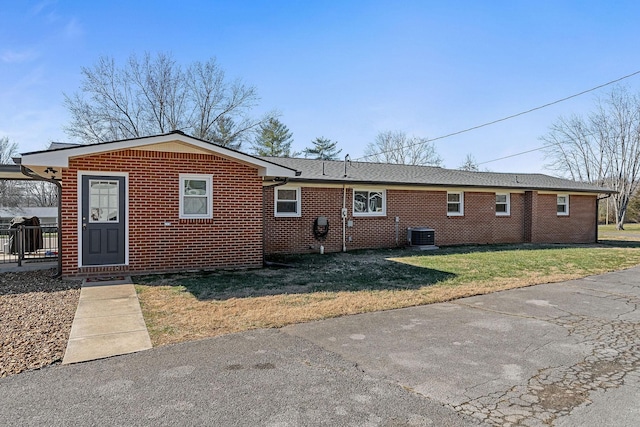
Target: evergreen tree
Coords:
[[273, 139], [323, 149], [225, 133]]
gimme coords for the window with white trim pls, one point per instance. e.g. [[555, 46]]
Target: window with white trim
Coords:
[[455, 203], [196, 196], [287, 201], [369, 203], [562, 205], [503, 204]]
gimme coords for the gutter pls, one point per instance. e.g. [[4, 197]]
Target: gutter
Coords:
[[28, 172], [452, 185]]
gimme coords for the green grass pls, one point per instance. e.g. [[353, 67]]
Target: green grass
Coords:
[[187, 306], [479, 265], [629, 227], [402, 269], [609, 234]]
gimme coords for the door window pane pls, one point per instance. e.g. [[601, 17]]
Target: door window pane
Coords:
[[103, 199]]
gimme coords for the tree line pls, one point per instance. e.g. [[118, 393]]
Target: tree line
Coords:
[[151, 95], [155, 95], [602, 147], [23, 193]]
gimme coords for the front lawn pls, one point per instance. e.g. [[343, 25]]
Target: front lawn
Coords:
[[609, 233], [189, 306]]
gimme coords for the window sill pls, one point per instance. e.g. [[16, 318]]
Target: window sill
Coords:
[[195, 220], [381, 215]]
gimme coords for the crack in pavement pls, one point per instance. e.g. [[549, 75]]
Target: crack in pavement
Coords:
[[555, 391], [506, 313]]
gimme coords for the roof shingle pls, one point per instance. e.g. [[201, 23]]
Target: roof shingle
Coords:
[[393, 174]]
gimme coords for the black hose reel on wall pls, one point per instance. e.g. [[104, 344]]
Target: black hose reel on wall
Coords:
[[320, 227]]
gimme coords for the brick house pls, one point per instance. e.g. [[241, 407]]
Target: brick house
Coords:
[[381, 201], [160, 203], [174, 202]]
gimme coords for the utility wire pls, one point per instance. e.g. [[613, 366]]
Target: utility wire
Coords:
[[517, 154], [508, 118], [528, 151]]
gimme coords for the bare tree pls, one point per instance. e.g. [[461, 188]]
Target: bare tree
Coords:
[[8, 151], [156, 95], [40, 193], [395, 147], [11, 194], [470, 164], [602, 149]]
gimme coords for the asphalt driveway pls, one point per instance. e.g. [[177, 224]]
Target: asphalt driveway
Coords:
[[564, 354], [530, 355]]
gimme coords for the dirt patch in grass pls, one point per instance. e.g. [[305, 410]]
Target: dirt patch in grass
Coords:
[[184, 307]]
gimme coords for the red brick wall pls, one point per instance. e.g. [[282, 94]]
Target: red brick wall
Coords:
[[294, 235], [232, 238], [577, 227], [414, 208]]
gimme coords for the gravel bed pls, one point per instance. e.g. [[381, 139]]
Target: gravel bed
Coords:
[[36, 312]]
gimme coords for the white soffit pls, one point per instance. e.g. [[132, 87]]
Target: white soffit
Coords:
[[173, 142], [173, 147]]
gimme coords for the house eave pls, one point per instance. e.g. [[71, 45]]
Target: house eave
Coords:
[[13, 172], [59, 158], [354, 182]]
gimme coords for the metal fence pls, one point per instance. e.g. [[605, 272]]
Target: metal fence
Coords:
[[29, 244]]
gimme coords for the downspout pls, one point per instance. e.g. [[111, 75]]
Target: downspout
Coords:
[[343, 214], [597, 206], [58, 184], [264, 216]]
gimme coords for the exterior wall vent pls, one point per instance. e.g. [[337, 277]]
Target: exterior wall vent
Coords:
[[421, 236]]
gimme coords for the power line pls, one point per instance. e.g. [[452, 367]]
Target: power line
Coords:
[[511, 117], [517, 154], [528, 151]]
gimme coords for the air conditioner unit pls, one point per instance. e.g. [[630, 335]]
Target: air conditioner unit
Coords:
[[421, 236]]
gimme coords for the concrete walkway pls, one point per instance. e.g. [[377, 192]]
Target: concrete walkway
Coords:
[[108, 322]]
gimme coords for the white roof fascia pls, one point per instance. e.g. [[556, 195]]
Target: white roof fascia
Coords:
[[60, 158]]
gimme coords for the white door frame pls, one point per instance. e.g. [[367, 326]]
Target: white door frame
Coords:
[[126, 210]]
